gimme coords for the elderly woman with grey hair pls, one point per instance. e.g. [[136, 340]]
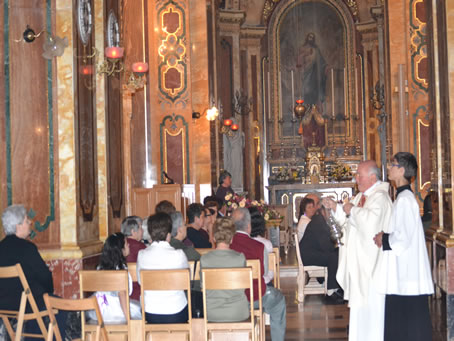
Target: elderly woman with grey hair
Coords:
[[179, 235], [131, 227], [15, 248]]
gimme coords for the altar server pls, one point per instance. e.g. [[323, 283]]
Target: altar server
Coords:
[[403, 272], [367, 214]]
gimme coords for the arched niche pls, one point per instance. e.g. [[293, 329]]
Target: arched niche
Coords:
[[312, 57]]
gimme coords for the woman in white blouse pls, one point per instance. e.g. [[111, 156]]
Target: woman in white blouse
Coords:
[[163, 306]]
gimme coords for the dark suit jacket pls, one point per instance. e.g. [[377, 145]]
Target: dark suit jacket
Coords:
[[252, 249], [15, 250], [316, 240], [222, 192], [196, 237]]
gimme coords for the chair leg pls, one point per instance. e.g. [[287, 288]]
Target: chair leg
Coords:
[[301, 279], [8, 327], [20, 320]]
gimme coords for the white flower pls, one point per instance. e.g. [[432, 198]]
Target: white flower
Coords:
[[267, 217], [255, 203], [243, 203], [228, 196], [234, 206]]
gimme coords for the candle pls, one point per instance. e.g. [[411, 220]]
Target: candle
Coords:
[[269, 97], [280, 96], [293, 91], [234, 127], [332, 92], [345, 93], [228, 122], [140, 67], [114, 52]]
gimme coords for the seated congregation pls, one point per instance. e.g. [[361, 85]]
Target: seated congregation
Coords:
[[161, 244]]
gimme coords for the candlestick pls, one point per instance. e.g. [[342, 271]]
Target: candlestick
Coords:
[[332, 91], [293, 90]]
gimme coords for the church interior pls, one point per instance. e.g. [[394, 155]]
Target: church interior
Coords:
[[109, 106]]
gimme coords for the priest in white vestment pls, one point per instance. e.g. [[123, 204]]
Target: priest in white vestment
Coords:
[[362, 218]]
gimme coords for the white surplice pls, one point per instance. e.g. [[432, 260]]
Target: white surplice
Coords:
[[358, 258], [405, 269]]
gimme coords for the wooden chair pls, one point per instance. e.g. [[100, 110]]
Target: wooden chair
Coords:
[[203, 251], [195, 276], [314, 271], [15, 271], [228, 279], [83, 304], [132, 269], [176, 279], [274, 265], [105, 280], [254, 264]]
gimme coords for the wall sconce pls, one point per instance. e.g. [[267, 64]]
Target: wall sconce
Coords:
[[229, 127], [112, 64], [211, 114], [53, 46]]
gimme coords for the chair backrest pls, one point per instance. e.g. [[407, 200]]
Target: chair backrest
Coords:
[[15, 271], [228, 279], [298, 253], [273, 267], [132, 269], [106, 280], [194, 273], [203, 251], [84, 304], [174, 279]]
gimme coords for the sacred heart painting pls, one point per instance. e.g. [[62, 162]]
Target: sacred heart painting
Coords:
[[312, 58]]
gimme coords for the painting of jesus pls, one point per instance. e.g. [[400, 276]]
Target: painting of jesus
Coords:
[[312, 55]]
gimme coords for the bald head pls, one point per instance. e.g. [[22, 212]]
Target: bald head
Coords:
[[368, 174]]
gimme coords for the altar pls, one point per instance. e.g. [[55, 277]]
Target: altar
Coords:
[[292, 194]]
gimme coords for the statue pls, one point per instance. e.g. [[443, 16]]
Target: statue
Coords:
[[233, 158]]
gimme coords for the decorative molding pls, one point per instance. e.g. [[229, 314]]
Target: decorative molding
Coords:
[[174, 126], [172, 68], [231, 17], [418, 47]]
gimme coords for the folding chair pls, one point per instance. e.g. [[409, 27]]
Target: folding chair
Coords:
[[15, 271], [228, 279], [273, 265], [83, 304], [176, 279], [314, 271], [203, 251], [132, 269], [195, 273], [105, 280], [254, 264]]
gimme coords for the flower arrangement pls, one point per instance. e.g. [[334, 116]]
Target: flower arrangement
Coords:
[[341, 171], [233, 201]]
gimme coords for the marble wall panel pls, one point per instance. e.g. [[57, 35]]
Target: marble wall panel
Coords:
[[28, 118], [65, 110]]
